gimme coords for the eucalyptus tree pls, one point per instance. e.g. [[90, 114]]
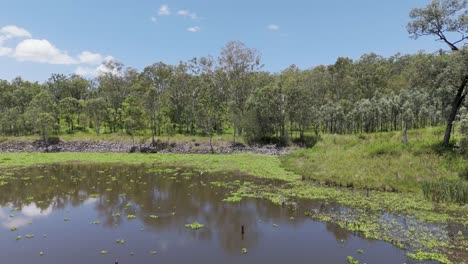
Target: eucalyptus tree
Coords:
[[156, 79], [42, 113], [179, 95], [97, 112], [448, 21], [238, 63], [69, 108], [134, 116], [114, 85]]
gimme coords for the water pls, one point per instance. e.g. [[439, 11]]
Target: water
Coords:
[[73, 212]]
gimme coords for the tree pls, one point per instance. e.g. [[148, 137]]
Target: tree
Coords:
[[69, 108], [42, 113], [134, 116], [443, 19], [238, 63], [97, 111], [156, 79]]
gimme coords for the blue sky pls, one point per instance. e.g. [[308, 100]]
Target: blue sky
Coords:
[[38, 38]]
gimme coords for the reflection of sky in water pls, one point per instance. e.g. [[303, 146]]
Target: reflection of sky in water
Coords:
[[69, 195], [21, 218]]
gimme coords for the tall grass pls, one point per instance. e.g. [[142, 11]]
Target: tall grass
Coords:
[[377, 161], [445, 190]]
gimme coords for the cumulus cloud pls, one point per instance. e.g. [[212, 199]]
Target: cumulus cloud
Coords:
[[41, 50], [164, 10], [194, 29], [187, 13], [96, 71], [273, 27], [4, 51], [87, 57], [14, 32]]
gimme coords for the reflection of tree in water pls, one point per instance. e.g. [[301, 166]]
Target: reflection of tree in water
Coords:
[[134, 190], [338, 232]]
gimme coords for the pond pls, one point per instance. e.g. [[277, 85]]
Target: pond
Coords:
[[91, 213]]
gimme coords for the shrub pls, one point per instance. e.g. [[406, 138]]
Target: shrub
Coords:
[[307, 141], [463, 174]]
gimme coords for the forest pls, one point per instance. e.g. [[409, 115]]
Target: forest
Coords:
[[231, 92]]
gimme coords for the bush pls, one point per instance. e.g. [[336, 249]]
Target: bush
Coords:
[[307, 141], [463, 174], [463, 143], [278, 141], [445, 190]]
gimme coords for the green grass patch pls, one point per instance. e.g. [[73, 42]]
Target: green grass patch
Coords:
[[376, 161]]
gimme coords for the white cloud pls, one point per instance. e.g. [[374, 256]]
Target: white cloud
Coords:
[[41, 50], [93, 72], [273, 27], [5, 51], [153, 19], [187, 13], [87, 57], [164, 10], [85, 71], [14, 32], [10, 32], [194, 29]]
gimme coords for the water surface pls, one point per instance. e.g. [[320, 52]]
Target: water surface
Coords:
[[75, 211]]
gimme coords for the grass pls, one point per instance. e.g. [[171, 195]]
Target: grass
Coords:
[[257, 165], [376, 161]]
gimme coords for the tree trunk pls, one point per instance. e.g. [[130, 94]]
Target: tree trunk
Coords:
[[405, 132], [457, 102], [211, 143]]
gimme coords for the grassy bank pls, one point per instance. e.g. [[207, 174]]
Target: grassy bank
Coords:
[[377, 161]]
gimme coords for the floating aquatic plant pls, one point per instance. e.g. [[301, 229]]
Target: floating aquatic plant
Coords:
[[103, 252], [154, 252], [154, 216], [18, 237], [13, 229], [29, 236], [41, 253], [360, 251], [130, 216], [194, 226], [244, 251], [96, 222], [352, 260], [66, 219], [94, 195], [120, 241]]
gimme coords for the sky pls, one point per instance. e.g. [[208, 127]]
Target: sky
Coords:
[[38, 38]]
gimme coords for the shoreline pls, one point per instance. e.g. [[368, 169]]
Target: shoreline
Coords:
[[127, 147]]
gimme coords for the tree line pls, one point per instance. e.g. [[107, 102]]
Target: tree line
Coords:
[[232, 92]]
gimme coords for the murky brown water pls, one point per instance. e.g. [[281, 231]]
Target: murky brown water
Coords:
[[75, 211]]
